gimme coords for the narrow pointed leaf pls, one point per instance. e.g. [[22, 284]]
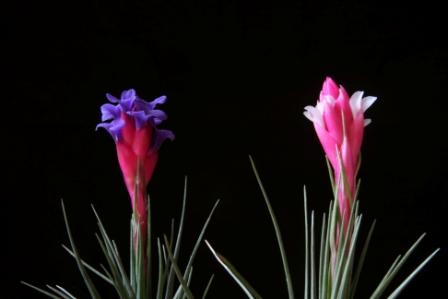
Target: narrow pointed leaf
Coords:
[[307, 248], [105, 277], [61, 293], [178, 241], [320, 282], [361, 260], [349, 262], [389, 276], [88, 281], [200, 237], [240, 280], [177, 270], [42, 291], [207, 288], [277, 232], [411, 276], [312, 261]]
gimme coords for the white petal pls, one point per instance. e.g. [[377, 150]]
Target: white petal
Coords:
[[308, 115], [313, 114], [356, 102], [367, 121], [367, 102], [320, 107], [329, 99]]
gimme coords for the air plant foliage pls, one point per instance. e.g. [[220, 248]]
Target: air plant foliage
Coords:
[[133, 124], [334, 257]]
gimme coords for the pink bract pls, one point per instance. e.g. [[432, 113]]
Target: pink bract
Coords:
[[339, 123]]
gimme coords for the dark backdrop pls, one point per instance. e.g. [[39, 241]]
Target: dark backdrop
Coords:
[[237, 75]]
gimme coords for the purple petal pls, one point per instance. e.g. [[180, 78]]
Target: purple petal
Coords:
[[160, 136], [140, 118], [142, 112], [111, 98], [140, 104], [126, 104], [159, 100], [158, 114], [114, 128], [110, 111], [128, 94]]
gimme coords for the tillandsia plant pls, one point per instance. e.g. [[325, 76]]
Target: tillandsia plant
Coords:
[[334, 271], [132, 122]]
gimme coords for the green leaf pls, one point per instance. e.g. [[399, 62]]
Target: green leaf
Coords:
[[277, 233], [334, 216], [393, 271], [243, 283], [207, 288], [411, 276], [180, 293], [141, 275], [88, 281], [361, 260], [330, 173], [307, 249], [149, 251], [61, 292], [312, 263], [115, 276], [349, 262], [326, 275], [105, 277], [42, 291], [178, 241], [320, 282], [132, 266], [200, 237], [346, 240], [177, 270], [332, 243], [162, 271], [112, 251]]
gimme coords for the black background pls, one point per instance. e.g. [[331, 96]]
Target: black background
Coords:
[[237, 75]]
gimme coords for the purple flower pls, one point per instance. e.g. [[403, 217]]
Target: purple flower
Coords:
[[132, 123], [142, 112]]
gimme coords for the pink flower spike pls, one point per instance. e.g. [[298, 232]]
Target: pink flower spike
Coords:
[[339, 123], [330, 88]]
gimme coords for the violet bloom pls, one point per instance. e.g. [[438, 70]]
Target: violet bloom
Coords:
[[132, 123], [339, 123]]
